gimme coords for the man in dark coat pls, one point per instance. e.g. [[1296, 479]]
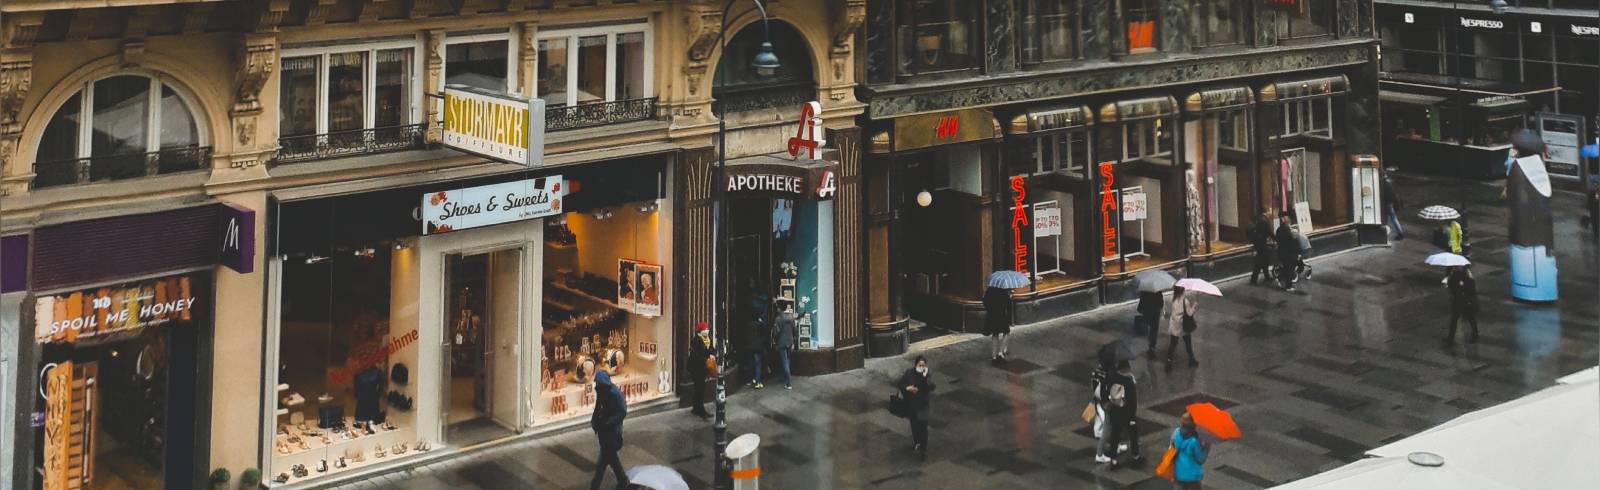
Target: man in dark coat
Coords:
[[1261, 243], [1122, 408], [1288, 253], [916, 386], [695, 365], [609, 410], [1463, 303], [1391, 206], [756, 341], [784, 330], [997, 321], [1150, 303]]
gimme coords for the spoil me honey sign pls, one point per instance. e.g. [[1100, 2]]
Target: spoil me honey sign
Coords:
[[494, 125], [71, 317]]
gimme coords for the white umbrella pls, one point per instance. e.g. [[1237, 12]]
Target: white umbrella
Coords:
[[657, 477], [1437, 212], [1401, 472], [1008, 280], [1154, 280], [1447, 259], [1199, 285]]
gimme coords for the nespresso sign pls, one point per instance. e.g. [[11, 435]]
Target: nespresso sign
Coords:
[[1482, 23]]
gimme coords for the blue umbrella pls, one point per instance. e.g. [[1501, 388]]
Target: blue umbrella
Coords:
[[1008, 280]]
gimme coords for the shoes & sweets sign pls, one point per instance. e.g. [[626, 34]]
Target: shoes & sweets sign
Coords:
[[493, 204]]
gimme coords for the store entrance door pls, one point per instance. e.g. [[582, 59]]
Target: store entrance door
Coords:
[[482, 326]]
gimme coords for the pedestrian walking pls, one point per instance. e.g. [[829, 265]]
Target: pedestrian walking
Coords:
[[1122, 407], [997, 307], [697, 364], [609, 410], [1288, 253], [1149, 317], [1392, 207], [916, 387], [785, 342], [1260, 235], [1189, 454], [1100, 383], [1181, 324], [1463, 303], [756, 342]]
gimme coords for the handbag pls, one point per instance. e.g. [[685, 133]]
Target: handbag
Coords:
[[1165, 470], [897, 406], [1188, 323], [1088, 413], [711, 367]]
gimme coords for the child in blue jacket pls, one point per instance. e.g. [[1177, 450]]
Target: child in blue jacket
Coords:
[[1191, 453]]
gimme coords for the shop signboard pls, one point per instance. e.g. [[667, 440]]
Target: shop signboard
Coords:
[[1133, 204], [494, 125], [1108, 210], [1019, 220], [1477, 23], [57, 425], [493, 204], [238, 248], [1560, 134], [783, 181], [1046, 220], [806, 143], [929, 130], [100, 312]]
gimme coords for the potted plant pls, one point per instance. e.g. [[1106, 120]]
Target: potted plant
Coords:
[[220, 478], [250, 478]]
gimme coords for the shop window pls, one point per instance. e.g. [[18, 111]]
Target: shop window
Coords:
[[119, 127], [1312, 116], [1063, 152], [1233, 130], [590, 65], [1050, 30], [482, 61], [1220, 22], [1576, 50], [1142, 18], [1306, 18], [340, 90], [1146, 140], [937, 35]]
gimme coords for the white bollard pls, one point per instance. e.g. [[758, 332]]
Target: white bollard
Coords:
[[745, 453]]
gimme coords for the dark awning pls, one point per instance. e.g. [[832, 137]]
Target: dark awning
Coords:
[[1051, 119], [1219, 99], [1449, 86], [1146, 108], [1402, 97], [1301, 89]]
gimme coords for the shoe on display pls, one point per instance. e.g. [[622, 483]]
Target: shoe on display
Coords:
[[281, 478], [322, 466], [324, 398], [340, 463]]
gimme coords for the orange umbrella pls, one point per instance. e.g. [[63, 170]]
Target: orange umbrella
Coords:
[[1214, 420]]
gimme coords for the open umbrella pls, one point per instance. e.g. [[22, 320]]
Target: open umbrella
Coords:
[[1437, 212], [1008, 280], [657, 477], [1114, 352], [1199, 285], [1214, 420], [1154, 280], [1528, 142], [1447, 259]]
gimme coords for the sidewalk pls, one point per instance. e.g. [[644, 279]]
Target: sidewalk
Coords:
[[1314, 379]]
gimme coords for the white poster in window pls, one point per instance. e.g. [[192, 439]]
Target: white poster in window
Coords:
[[625, 273], [1046, 219], [1133, 205], [1302, 213], [647, 288]]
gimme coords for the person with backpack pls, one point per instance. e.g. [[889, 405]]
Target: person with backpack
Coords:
[[609, 411], [1122, 407]]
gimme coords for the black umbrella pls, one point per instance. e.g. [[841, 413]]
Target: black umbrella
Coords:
[[1114, 352], [1528, 142]]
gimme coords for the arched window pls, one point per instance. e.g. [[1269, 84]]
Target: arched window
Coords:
[[737, 83], [119, 127]]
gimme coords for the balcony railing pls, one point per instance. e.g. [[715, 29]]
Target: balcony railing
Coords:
[[561, 118], [338, 144], [744, 99], [120, 167]]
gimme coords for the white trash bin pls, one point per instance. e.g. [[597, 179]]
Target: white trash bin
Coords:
[[745, 453]]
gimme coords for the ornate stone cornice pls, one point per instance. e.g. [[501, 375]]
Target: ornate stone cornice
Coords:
[[848, 19], [21, 30], [703, 21], [16, 77], [257, 60]]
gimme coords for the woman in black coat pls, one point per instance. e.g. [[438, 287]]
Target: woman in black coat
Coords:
[[1288, 254], [1463, 303], [916, 386], [997, 320]]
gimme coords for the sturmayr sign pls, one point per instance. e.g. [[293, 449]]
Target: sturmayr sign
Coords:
[[494, 125]]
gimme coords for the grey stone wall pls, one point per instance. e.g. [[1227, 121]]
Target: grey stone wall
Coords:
[[1000, 48]]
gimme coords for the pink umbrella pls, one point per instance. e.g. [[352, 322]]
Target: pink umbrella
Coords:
[[1199, 285]]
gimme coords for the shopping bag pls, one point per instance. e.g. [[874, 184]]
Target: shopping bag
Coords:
[[711, 367], [1164, 469], [1088, 413]]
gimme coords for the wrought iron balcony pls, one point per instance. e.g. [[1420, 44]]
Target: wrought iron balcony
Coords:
[[742, 99], [338, 144], [561, 118], [120, 167]]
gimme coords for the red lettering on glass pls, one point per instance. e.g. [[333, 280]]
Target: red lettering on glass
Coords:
[[1108, 206], [1019, 219]]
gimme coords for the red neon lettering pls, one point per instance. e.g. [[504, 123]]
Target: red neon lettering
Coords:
[[1108, 206], [948, 126], [1019, 219]]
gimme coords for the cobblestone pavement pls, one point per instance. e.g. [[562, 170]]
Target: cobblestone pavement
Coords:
[[1315, 378]]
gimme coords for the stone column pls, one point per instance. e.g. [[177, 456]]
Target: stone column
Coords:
[[849, 270], [16, 78]]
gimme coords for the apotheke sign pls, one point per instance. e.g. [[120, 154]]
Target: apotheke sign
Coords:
[[474, 207]]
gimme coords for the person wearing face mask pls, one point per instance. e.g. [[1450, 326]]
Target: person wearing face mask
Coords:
[[916, 386], [695, 364]]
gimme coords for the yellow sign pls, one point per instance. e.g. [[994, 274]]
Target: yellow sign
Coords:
[[929, 130], [498, 126], [57, 426]]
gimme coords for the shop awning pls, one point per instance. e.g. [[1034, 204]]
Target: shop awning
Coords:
[[1449, 86], [1300, 89], [1399, 97], [1219, 99], [1146, 108], [1051, 119]]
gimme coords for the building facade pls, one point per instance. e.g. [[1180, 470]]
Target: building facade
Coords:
[[1458, 80], [242, 218], [1082, 141]]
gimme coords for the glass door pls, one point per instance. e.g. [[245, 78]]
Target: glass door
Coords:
[[482, 345]]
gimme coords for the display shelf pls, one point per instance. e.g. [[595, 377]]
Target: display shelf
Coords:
[[574, 394], [316, 451], [314, 443], [583, 294]]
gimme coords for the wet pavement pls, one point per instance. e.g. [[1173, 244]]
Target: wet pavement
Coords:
[[1349, 362]]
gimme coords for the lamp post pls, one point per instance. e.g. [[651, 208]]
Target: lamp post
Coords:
[[765, 64]]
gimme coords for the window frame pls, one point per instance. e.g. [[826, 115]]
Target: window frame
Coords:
[[152, 138], [1305, 118], [1035, 42], [1149, 147], [369, 73], [513, 85], [970, 16], [1289, 35], [1241, 25], [610, 31], [1121, 9], [1237, 120]]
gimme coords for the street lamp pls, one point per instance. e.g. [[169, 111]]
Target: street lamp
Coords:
[[1498, 7], [765, 63]]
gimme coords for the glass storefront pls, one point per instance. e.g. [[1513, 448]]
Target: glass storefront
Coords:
[[1142, 194], [1305, 168], [1051, 150], [1218, 159]]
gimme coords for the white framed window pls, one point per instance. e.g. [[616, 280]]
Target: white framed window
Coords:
[[119, 122], [1146, 139], [1313, 117], [1131, 242], [1233, 130], [487, 61], [594, 64], [345, 88]]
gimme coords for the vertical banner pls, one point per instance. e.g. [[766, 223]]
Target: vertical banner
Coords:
[[647, 287], [625, 271], [1019, 220], [57, 426], [1108, 211]]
